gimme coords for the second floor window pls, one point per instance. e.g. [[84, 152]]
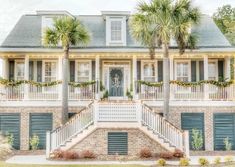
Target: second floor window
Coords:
[[182, 71], [116, 30], [50, 71], [149, 72], [212, 71], [19, 70], [83, 71]]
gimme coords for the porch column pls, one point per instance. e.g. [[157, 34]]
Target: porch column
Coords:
[[60, 73], [97, 77], [171, 75], [227, 68], [206, 87], [134, 77], [5, 68], [26, 77]]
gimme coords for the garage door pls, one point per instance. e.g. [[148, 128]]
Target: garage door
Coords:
[[10, 123], [191, 121], [39, 125], [223, 128]]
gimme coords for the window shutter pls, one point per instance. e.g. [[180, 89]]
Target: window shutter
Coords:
[[138, 70], [93, 70], [160, 70], [193, 71], [31, 70], [11, 70], [72, 71], [221, 69], [39, 71], [201, 70]]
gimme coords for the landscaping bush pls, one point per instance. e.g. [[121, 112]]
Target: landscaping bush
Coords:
[[178, 153], [161, 162], [69, 155], [166, 155], [228, 159], [227, 144], [217, 161], [10, 138], [197, 140], [5, 147], [57, 154], [203, 162], [145, 153], [184, 162], [88, 154], [34, 142]]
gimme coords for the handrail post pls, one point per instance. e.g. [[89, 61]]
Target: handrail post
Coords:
[[186, 143], [48, 144]]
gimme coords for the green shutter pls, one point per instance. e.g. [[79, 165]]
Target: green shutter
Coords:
[[160, 70], [193, 71], [10, 123], [138, 70], [117, 143], [224, 126], [31, 71], [39, 71], [191, 121], [11, 70], [72, 71], [201, 70], [221, 69], [93, 70], [39, 125]]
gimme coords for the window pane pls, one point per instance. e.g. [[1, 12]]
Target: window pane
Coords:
[[116, 30], [50, 71], [149, 72], [19, 70], [212, 71], [182, 71], [83, 71]]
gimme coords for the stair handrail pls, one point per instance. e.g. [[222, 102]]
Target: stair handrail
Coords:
[[71, 128]]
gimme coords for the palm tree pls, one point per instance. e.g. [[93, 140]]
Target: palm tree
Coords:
[[66, 32], [157, 22]]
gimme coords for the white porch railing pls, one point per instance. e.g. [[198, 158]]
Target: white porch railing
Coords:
[[85, 93], [198, 92]]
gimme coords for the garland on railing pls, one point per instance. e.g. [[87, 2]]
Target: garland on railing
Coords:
[[188, 84], [42, 84]]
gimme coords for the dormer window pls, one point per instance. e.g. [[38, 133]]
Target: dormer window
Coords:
[[116, 30]]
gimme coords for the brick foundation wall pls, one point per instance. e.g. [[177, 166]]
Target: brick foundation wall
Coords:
[[137, 140]]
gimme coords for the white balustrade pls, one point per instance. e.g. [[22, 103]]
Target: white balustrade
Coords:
[[82, 93], [43, 93], [11, 93]]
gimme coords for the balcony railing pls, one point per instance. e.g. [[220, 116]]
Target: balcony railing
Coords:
[[194, 92]]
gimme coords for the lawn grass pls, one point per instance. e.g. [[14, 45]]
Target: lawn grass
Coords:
[[2, 164]]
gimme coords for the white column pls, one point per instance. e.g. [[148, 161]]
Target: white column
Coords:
[[227, 68], [134, 77], [97, 76], [5, 68], [26, 77], [60, 73], [206, 88]]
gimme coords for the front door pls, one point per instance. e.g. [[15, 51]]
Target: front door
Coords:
[[116, 80]]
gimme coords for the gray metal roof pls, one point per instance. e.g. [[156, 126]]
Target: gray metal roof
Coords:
[[27, 33]]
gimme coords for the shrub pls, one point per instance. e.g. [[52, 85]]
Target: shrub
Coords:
[[184, 162], [197, 140], [67, 155], [145, 153], [5, 147], [161, 162], [203, 162], [217, 160], [228, 159], [34, 142], [57, 154], [88, 154], [166, 155], [10, 138], [227, 144], [178, 153]]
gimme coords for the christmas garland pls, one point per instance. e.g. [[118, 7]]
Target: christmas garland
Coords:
[[189, 84], [42, 84]]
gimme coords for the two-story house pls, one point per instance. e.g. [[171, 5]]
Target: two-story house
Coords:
[[113, 66]]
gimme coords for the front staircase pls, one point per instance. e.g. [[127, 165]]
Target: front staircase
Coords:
[[122, 115]]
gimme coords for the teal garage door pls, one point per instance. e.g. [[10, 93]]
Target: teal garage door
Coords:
[[191, 121], [224, 126], [39, 125], [10, 123]]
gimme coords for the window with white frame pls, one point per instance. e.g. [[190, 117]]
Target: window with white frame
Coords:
[[83, 71], [50, 71], [182, 71], [19, 70], [149, 71], [116, 30], [212, 70]]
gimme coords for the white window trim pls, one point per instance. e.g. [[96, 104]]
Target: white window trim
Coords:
[[216, 67], [76, 68], [43, 68], [109, 42], [189, 68], [15, 72], [156, 68]]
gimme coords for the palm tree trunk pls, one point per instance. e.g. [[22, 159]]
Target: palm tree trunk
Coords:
[[65, 109], [166, 80]]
